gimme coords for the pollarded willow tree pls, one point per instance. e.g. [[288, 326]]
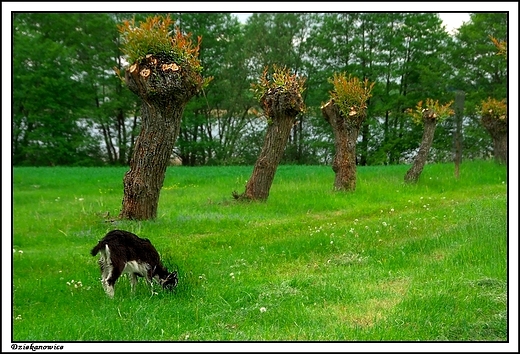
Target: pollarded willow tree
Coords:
[[280, 96], [165, 73], [494, 119], [345, 112], [494, 114], [429, 115]]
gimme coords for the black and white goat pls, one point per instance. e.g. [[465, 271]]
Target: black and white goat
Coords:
[[123, 252]]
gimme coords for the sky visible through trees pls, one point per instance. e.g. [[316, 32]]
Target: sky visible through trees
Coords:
[[452, 21]]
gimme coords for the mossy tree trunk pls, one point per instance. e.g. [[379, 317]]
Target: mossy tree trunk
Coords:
[[346, 131], [497, 128], [430, 124], [164, 88], [281, 107]]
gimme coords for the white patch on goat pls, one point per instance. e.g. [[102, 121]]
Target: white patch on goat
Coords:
[[132, 268], [136, 267]]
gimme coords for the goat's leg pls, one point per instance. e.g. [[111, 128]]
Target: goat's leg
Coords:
[[150, 282], [106, 272], [133, 281], [111, 281]]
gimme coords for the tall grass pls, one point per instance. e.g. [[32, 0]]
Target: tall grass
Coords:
[[388, 262]]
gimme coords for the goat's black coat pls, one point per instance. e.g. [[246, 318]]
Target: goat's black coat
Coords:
[[126, 247]]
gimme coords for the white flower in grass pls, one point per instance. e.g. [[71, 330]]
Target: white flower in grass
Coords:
[[385, 224], [20, 251], [263, 309], [78, 284]]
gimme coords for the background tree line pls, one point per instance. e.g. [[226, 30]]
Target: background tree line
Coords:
[[69, 107]]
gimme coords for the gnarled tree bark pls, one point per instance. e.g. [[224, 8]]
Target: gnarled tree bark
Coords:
[[346, 131], [430, 124], [497, 128], [164, 87], [281, 107]]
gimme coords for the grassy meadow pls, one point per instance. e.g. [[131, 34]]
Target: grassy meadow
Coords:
[[388, 262]]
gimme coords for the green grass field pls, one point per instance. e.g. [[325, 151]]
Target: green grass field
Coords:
[[388, 262]]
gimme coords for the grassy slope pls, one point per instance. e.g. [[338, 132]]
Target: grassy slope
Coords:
[[389, 262]]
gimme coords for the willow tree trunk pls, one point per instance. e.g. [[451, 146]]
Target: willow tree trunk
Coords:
[[258, 186], [497, 128], [281, 109], [164, 88], [430, 123], [346, 131]]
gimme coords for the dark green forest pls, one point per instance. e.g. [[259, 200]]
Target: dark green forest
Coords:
[[70, 108]]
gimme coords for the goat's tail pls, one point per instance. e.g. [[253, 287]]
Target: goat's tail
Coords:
[[97, 248]]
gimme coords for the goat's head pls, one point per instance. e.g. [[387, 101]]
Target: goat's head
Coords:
[[170, 281]]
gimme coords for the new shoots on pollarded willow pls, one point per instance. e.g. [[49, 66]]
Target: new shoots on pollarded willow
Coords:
[[286, 87], [494, 119], [165, 72], [345, 112], [280, 95], [500, 45], [429, 115]]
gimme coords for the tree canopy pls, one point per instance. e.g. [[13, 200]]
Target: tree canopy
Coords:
[[70, 108]]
